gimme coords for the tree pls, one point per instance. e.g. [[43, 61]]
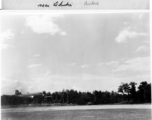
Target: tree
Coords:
[[44, 93], [129, 94], [17, 92], [141, 91], [148, 93], [133, 90], [124, 88], [121, 89], [144, 92]]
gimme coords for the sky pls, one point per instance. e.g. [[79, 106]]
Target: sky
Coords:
[[84, 52]]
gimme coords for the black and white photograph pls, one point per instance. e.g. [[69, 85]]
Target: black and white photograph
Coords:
[[75, 66]]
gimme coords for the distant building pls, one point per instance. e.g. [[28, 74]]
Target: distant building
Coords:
[[31, 95]]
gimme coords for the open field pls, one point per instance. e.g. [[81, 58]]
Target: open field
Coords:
[[108, 114], [137, 112]]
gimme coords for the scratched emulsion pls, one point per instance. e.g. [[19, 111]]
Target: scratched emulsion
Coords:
[[74, 4]]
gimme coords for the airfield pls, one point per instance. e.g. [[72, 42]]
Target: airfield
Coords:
[[91, 112]]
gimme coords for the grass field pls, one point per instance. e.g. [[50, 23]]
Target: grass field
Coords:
[[104, 114]]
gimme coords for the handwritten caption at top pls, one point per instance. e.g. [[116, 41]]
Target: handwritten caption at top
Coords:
[[68, 4]]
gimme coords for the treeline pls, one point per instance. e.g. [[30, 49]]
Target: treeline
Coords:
[[127, 93]]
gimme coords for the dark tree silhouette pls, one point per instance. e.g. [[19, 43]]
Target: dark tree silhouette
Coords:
[[127, 93], [133, 91]]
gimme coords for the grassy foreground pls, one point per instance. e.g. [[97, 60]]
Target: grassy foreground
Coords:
[[105, 114]]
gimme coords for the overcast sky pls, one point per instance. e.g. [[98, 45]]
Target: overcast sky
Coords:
[[84, 52]]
